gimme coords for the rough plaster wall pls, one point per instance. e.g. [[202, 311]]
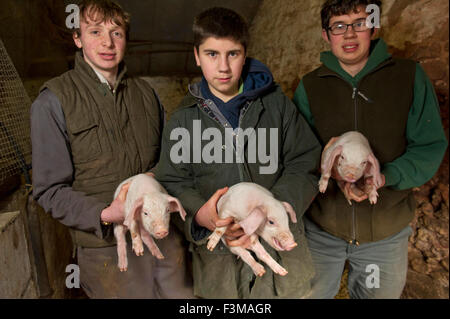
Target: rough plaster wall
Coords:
[[170, 90], [286, 35]]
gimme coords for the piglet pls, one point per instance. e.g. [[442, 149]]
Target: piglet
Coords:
[[147, 208], [258, 213], [352, 158]]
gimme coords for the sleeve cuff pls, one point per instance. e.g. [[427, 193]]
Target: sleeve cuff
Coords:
[[391, 174], [199, 233], [101, 231], [193, 231]]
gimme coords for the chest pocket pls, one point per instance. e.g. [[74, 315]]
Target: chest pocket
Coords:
[[85, 143]]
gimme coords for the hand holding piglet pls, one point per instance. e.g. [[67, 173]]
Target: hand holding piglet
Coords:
[[114, 213]]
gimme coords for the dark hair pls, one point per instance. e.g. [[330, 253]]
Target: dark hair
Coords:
[[220, 23], [340, 7], [107, 11]]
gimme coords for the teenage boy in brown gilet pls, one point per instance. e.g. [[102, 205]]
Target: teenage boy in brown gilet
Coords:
[[91, 128], [360, 87]]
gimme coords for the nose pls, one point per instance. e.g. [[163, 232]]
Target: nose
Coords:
[[161, 233], [107, 40], [291, 246], [224, 65]]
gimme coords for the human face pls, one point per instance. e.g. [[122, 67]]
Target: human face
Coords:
[[352, 48], [103, 45], [221, 61]]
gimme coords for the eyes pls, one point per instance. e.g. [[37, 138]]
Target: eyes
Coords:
[[115, 34], [270, 222], [340, 27], [214, 54], [341, 158]]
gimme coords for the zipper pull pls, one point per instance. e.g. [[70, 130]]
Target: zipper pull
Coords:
[[354, 93], [364, 97]]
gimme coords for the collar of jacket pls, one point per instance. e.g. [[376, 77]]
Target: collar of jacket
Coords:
[[379, 57], [83, 67], [195, 97]]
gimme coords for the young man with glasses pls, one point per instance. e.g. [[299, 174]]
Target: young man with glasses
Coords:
[[360, 87]]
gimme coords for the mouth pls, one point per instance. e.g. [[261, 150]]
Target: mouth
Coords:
[[280, 247], [107, 56], [224, 80], [277, 244], [349, 48]]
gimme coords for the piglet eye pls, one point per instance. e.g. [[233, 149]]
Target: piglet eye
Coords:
[[145, 213], [271, 222]]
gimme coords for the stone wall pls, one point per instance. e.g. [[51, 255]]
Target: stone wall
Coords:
[[286, 35]]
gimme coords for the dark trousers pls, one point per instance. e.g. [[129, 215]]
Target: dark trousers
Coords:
[[146, 277]]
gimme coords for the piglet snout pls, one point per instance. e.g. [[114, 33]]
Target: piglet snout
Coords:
[[290, 246], [284, 242], [161, 234], [351, 178]]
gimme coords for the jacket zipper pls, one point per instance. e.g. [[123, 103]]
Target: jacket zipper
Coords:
[[354, 241], [244, 164]]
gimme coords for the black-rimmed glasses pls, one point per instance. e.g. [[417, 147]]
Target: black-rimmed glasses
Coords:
[[340, 28]]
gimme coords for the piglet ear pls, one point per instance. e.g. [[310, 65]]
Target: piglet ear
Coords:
[[290, 211], [133, 214], [251, 223], [374, 170], [328, 158], [175, 206]]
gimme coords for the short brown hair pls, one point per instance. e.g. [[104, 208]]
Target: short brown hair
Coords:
[[107, 10], [220, 23], [333, 8]]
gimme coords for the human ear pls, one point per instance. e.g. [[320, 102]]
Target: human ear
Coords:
[[197, 60], [374, 32], [325, 36], [77, 40]]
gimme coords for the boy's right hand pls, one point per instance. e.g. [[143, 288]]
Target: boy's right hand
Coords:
[[207, 214], [207, 217]]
